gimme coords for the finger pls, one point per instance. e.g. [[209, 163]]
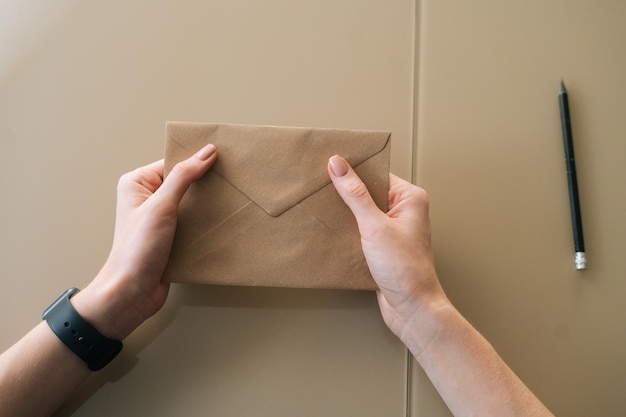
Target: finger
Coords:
[[185, 173], [352, 190], [137, 185], [406, 199], [156, 167]]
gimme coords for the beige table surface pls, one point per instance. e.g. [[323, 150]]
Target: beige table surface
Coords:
[[86, 88]]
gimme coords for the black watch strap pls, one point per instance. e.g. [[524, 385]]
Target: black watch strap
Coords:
[[78, 335]]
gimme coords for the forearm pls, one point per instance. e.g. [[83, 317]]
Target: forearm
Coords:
[[40, 372], [37, 374], [465, 369]]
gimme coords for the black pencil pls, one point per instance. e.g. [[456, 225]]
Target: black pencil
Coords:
[[570, 165]]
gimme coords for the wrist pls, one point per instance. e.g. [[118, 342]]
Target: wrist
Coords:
[[418, 320], [80, 336], [100, 306], [428, 324]]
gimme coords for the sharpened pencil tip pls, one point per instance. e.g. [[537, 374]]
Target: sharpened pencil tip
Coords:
[[562, 87]]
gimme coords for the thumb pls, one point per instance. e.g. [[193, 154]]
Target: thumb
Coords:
[[186, 172], [352, 190]]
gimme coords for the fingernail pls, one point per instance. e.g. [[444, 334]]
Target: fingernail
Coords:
[[206, 152], [338, 165]]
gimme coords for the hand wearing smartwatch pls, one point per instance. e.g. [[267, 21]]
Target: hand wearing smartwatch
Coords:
[[82, 331]]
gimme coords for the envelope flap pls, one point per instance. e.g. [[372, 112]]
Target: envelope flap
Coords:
[[277, 167]]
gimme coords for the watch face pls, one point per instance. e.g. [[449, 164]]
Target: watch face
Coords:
[[68, 293]]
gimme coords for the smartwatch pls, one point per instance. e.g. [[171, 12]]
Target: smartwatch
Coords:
[[79, 336]]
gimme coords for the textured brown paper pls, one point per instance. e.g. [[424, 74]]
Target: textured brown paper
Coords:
[[267, 214]]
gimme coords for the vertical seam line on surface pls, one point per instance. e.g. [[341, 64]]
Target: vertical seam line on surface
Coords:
[[407, 405], [415, 87], [417, 15]]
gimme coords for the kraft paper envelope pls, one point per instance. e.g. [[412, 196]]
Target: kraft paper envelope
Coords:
[[267, 214]]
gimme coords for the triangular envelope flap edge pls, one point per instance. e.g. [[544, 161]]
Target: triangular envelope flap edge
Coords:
[[277, 167]]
